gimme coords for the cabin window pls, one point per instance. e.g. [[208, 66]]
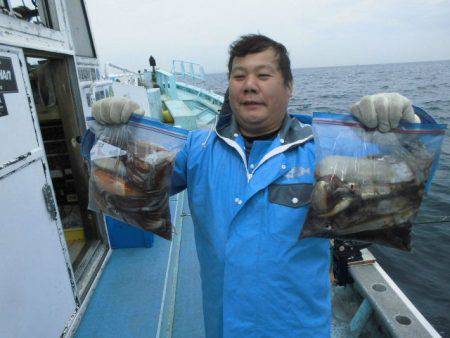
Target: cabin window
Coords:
[[35, 11], [79, 27]]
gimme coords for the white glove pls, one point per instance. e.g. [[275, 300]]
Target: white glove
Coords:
[[115, 110], [384, 111]]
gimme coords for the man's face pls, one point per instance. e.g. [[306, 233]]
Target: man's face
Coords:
[[258, 95]]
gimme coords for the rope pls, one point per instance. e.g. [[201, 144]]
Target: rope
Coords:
[[441, 220]]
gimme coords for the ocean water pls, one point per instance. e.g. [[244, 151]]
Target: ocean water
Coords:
[[424, 273]]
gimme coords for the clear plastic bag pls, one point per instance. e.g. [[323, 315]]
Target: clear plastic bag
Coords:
[[369, 185], [131, 168]]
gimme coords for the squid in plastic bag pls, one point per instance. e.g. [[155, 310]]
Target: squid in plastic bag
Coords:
[[369, 185]]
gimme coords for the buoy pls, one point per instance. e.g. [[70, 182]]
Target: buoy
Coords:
[[167, 117]]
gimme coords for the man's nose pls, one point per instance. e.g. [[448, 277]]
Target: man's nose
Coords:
[[250, 85]]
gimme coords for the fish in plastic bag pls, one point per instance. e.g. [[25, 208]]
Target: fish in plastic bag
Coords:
[[369, 185], [131, 168]]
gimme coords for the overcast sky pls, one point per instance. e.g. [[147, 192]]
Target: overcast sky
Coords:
[[316, 33]]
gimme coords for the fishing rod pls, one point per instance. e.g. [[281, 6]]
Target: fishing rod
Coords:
[[439, 220]]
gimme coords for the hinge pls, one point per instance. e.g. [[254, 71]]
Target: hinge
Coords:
[[49, 201]]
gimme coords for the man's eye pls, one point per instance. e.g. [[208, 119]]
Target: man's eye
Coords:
[[264, 76], [238, 77]]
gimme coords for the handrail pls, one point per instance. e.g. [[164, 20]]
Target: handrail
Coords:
[[204, 94], [128, 76], [125, 70], [380, 294], [193, 71]]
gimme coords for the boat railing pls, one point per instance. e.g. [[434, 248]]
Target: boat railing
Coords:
[[188, 70], [203, 94], [381, 295], [122, 74]]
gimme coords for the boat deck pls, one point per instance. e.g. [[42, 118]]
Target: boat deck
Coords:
[[155, 292]]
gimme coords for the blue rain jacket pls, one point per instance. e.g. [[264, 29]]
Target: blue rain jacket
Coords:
[[258, 279]]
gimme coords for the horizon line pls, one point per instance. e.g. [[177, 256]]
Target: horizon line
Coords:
[[353, 65]]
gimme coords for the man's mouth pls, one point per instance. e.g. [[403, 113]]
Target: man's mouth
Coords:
[[251, 104]]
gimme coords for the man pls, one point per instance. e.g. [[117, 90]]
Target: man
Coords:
[[248, 187]]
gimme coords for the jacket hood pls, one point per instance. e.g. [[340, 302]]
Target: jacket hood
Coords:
[[225, 115]]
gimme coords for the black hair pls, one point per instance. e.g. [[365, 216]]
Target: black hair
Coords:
[[256, 43]]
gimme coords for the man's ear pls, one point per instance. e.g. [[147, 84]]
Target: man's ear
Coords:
[[290, 88]]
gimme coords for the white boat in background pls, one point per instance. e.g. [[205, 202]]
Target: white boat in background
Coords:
[[59, 273]]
